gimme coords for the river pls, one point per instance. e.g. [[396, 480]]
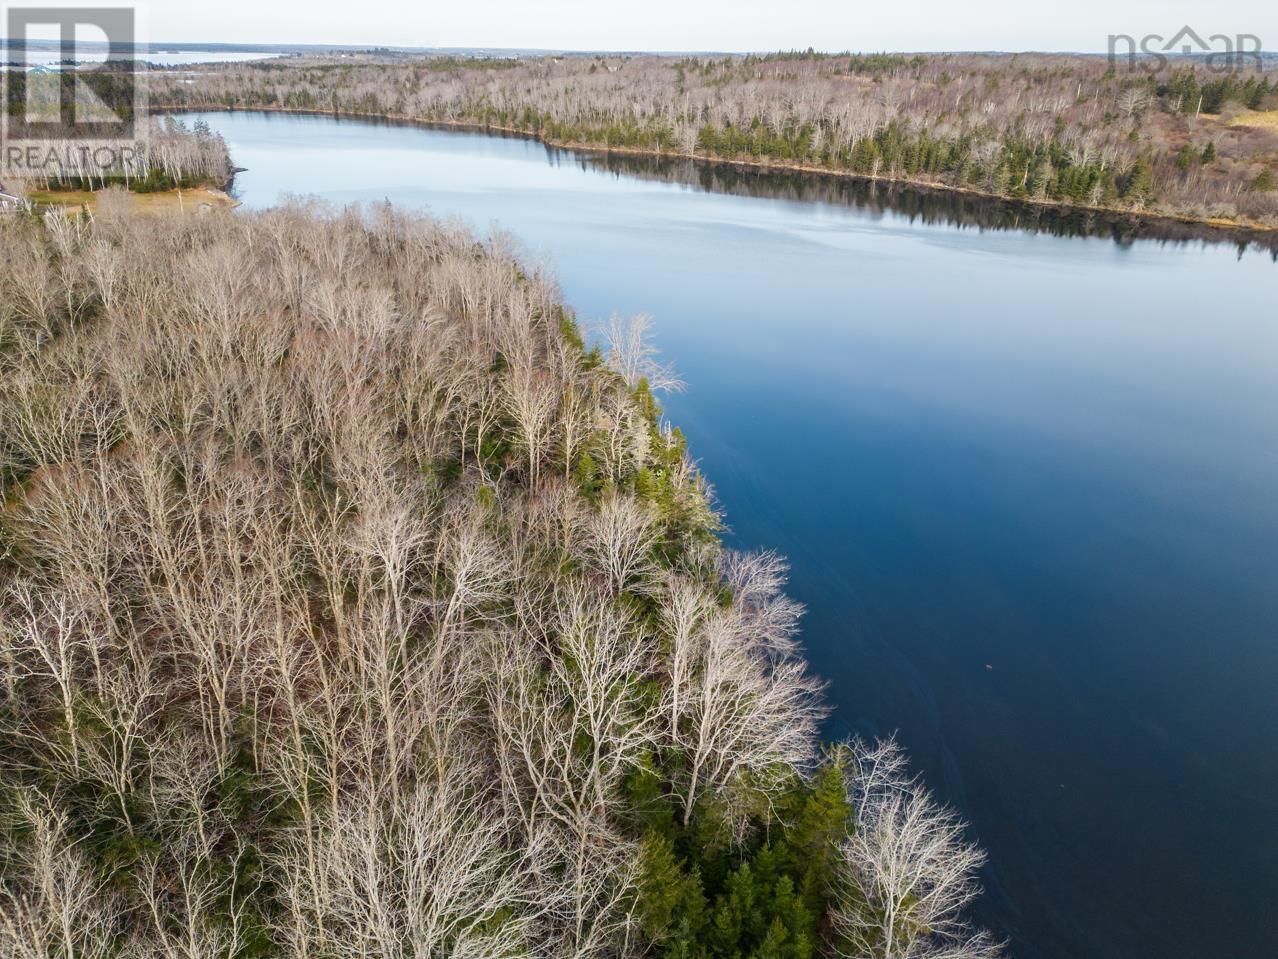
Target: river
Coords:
[[1025, 467]]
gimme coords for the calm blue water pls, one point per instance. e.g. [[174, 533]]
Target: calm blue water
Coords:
[[1027, 483]]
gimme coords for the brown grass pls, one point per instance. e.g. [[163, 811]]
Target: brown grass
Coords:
[[186, 201], [1265, 120]]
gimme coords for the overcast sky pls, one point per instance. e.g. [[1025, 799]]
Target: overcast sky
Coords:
[[736, 25]]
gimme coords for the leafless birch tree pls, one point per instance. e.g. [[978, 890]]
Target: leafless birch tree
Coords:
[[908, 869]]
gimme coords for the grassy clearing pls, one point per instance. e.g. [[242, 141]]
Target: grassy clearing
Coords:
[[1264, 119], [185, 201]]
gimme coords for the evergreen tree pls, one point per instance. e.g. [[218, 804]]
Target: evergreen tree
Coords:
[[1041, 180], [671, 902], [1139, 183]]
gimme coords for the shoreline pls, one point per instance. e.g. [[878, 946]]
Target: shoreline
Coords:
[[1239, 228]]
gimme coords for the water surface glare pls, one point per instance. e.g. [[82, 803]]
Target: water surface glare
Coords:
[[1027, 483]]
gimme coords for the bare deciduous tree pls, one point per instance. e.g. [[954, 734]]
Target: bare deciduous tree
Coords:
[[296, 614], [621, 534], [64, 908], [908, 870], [632, 355]]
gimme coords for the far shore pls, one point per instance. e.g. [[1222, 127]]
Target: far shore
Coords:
[[1238, 226]]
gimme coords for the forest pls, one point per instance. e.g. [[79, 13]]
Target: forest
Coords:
[[1180, 139], [155, 153], [167, 156], [354, 604]]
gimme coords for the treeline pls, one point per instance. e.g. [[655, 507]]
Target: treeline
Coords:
[[938, 206], [163, 155], [105, 94], [352, 606], [1189, 92], [1067, 129]]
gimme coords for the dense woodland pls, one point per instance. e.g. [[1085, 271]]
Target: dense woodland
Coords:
[[168, 155], [1184, 140], [352, 607], [162, 154]]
